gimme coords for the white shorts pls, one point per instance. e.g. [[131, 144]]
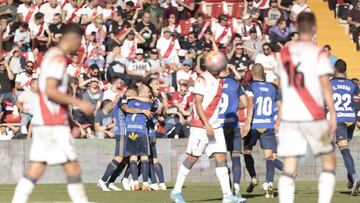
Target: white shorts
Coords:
[[52, 145], [198, 142], [294, 137]]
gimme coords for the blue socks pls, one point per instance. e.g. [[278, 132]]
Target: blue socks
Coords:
[[249, 163], [279, 165], [236, 169], [134, 170], [270, 170], [117, 172], [159, 172], [145, 170], [349, 163], [112, 166]]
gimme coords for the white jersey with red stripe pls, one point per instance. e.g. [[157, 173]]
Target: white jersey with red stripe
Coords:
[[47, 112], [300, 66], [211, 90]]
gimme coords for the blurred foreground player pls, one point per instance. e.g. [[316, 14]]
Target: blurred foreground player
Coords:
[[304, 82], [52, 143], [206, 133], [344, 92]]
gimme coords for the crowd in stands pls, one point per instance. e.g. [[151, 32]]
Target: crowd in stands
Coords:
[[131, 42]]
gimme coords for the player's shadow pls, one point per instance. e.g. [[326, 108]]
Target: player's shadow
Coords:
[[345, 192], [206, 200]]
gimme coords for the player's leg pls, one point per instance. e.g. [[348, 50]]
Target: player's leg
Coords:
[[145, 170], [75, 187], [219, 152], [125, 180], [154, 184], [342, 140], [134, 171], [27, 183], [278, 164], [250, 141], [290, 148], [196, 145], [321, 143], [113, 165], [159, 173]]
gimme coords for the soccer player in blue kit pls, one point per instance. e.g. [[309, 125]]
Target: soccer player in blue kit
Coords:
[[232, 98], [344, 91], [263, 97]]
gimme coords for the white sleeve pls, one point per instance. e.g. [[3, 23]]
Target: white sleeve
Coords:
[[324, 67], [58, 68]]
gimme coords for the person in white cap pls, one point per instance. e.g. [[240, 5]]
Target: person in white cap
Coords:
[[139, 67]]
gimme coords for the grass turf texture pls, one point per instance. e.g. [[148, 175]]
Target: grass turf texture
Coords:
[[193, 192]]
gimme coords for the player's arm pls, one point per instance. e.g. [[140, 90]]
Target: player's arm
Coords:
[[328, 96], [52, 92], [127, 109], [242, 97], [249, 116], [200, 111], [278, 119]]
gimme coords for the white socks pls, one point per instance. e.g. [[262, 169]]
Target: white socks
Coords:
[[326, 187], [23, 190], [223, 176], [182, 174], [77, 192], [286, 189]]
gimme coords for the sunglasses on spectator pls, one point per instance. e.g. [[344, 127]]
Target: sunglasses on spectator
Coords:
[[239, 48], [29, 66], [207, 50], [266, 49], [95, 72]]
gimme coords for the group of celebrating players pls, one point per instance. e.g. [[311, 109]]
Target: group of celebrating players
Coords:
[[297, 116]]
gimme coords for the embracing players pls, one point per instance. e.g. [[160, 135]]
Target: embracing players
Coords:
[[305, 84], [263, 98], [52, 143], [206, 134], [344, 92]]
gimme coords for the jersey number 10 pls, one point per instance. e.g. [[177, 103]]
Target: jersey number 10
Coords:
[[296, 78]]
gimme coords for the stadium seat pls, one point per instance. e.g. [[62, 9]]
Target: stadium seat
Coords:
[[237, 10], [185, 27], [217, 9]]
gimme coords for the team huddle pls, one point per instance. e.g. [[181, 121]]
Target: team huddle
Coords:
[[293, 109]]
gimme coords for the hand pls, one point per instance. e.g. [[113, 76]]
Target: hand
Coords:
[[276, 127], [86, 107], [210, 134], [245, 130], [148, 113], [332, 124]]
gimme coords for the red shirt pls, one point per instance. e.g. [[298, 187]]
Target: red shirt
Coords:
[[184, 101]]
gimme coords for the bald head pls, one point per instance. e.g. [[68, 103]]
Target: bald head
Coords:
[[258, 71]]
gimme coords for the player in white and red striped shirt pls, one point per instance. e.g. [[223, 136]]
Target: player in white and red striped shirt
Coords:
[[52, 142], [304, 71]]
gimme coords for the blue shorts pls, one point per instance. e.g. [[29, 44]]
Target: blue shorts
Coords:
[[120, 146], [136, 144], [344, 131], [153, 151], [233, 139], [266, 136]]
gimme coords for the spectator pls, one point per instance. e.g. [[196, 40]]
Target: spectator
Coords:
[[25, 105], [23, 79], [97, 27], [104, 120], [251, 10], [139, 67], [173, 27], [222, 32], [27, 10], [332, 58], [71, 11], [16, 61], [241, 56], [155, 63], [109, 11], [186, 75], [93, 94], [95, 52], [22, 37], [89, 12], [148, 31], [6, 78], [40, 34], [285, 6], [49, 10], [85, 78], [7, 132], [75, 69], [56, 29], [112, 93], [255, 43], [168, 47], [266, 59], [272, 15], [279, 35], [115, 63], [115, 29], [354, 22], [200, 26], [156, 13], [130, 44], [191, 43]]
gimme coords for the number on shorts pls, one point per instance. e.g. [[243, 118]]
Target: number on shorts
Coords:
[[342, 102], [264, 106], [198, 142]]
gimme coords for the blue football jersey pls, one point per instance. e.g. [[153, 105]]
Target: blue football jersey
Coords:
[[120, 121], [344, 91], [229, 103], [152, 122], [265, 96], [137, 122]]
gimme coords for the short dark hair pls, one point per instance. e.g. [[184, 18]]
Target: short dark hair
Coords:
[[24, 25], [38, 16], [306, 21], [293, 34], [340, 66], [105, 102], [94, 67], [73, 28], [327, 46]]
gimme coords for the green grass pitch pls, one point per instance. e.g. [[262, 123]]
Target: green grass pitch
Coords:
[[306, 192]]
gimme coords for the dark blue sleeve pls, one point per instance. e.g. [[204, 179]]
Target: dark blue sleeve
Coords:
[[357, 89], [122, 101], [277, 95], [241, 90]]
